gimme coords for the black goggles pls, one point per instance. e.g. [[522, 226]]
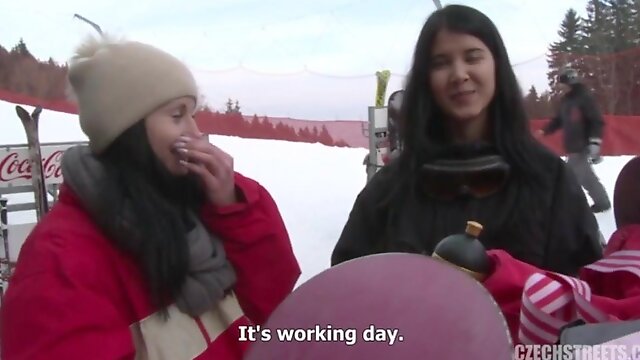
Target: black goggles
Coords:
[[477, 177]]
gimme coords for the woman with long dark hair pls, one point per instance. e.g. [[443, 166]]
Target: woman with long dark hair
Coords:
[[157, 248], [468, 154]]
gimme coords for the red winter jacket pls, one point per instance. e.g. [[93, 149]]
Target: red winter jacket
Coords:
[[75, 296], [537, 303]]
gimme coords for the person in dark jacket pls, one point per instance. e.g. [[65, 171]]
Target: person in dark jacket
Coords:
[[393, 129], [394, 106], [582, 123], [468, 154]]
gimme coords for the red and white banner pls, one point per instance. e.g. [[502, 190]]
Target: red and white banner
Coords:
[[15, 165]]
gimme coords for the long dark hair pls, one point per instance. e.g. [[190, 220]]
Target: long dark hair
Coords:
[[144, 210], [422, 115], [426, 131]]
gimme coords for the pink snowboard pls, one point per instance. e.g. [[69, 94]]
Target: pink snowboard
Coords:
[[387, 306]]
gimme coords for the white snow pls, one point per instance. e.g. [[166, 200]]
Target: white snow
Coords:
[[313, 185]]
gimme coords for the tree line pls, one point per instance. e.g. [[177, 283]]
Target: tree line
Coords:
[[21, 73], [603, 46], [231, 122]]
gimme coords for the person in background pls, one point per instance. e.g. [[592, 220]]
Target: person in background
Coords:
[[626, 209], [583, 125], [468, 154], [395, 123], [157, 248], [393, 109]]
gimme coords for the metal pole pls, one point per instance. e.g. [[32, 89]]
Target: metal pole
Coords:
[[437, 4], [4, 229], [5, 264], [94, 25]]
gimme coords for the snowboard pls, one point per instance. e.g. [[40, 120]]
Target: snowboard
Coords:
[[385, 306]]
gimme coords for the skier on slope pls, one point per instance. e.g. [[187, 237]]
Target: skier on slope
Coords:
[[157, 248], [468, 154], [582, 124]]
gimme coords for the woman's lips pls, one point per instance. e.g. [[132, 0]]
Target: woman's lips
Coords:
[[462, 96]]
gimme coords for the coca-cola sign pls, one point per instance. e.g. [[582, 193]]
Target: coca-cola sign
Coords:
[[15, 165]]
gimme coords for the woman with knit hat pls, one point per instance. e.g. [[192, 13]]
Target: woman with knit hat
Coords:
[[157, 248]]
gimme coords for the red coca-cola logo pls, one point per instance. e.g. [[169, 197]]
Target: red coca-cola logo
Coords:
[[14, 168]]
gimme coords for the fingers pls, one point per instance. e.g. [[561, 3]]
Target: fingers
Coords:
[[203, 173], [226, 158], [215, 165], [196, 168], [217, 178], [204, 146], [212, 165], [195, 143]]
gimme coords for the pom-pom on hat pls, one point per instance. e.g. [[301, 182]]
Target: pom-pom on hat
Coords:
[[117, 83]]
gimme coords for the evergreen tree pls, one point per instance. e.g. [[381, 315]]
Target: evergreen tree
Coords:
[[229, 107], [546, 103], [597, 28], [621, 24], [635, 21], [566, 51], [325, 138], [21, 50], [531, 103], [623, 65], [599, 42]]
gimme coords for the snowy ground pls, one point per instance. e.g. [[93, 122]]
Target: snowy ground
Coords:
[[313, 185]]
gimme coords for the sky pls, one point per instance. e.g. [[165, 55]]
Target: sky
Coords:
[[304, 59]]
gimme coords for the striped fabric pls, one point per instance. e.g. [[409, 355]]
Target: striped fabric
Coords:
[[550, 301], [624, 260]]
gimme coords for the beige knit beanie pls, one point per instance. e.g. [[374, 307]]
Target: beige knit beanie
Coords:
[[118, 83]]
